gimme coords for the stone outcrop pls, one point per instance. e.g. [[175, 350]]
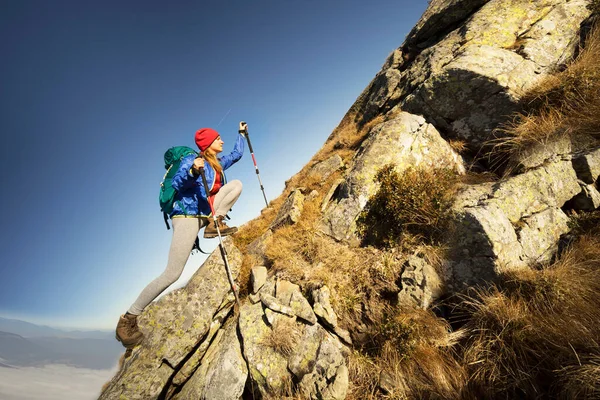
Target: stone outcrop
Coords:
[[290, 211], [465, 75], [326, 168], [462, 71], [173, 327], [258, 278], [216, 359], [421, 284], [318, 358], [406, 141], [518, 221]]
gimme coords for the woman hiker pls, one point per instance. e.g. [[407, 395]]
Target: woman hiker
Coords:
[[190, 213]]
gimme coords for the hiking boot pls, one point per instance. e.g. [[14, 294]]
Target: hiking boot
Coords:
[[211, 231], [128, 332]]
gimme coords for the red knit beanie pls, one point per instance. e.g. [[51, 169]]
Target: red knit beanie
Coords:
[[205, 137]]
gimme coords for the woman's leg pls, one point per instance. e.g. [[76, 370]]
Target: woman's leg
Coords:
[[226, 197], [185, 231], [223, 201]]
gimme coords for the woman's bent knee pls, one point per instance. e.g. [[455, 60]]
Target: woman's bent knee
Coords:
[[237, 183]]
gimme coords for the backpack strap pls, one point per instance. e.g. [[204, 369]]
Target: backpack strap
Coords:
[[166, 218]]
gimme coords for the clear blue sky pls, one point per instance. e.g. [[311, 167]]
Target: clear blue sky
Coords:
[[93, 93]]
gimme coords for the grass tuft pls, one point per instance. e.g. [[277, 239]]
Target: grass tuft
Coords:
[[284, 336]]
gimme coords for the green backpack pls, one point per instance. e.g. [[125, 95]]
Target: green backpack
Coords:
[[166, 198]]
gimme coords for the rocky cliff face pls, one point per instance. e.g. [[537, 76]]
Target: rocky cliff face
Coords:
[[459, 74]]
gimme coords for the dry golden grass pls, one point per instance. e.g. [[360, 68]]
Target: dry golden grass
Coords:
[[286, 391], [536, 327], [364, 374], [412, 347], [246, 235], [284, 254], [458, 145], [345, 139], [284, 336], [564, 104], [535, 334], [253, 229], [581, 381], [249, 261], [304, 255], [412, 359]]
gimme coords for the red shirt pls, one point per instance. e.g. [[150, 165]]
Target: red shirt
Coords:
[[215, 189]]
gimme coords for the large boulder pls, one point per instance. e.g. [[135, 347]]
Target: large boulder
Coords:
[[512, 223], [192, 363], [405, 141], [174, 327]]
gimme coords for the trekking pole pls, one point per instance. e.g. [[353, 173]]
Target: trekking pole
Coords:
[[255, 165], [221, 247]]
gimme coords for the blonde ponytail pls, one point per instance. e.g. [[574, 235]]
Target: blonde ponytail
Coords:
[[211, 158]]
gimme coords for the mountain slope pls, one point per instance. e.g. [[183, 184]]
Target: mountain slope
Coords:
[[469, 295]]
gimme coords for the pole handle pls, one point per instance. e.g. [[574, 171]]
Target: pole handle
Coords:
[[249, 143], [204, 181]]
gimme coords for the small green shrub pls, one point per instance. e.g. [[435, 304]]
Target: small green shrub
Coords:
[[397, 333], [415, 203]]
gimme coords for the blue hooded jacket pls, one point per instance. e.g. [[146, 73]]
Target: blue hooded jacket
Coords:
[[191, 198]]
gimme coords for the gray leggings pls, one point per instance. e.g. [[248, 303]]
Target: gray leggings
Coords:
[[185, 231]]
